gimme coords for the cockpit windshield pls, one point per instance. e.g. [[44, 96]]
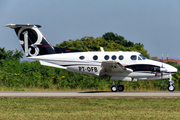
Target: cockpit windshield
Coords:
[[142, 57]]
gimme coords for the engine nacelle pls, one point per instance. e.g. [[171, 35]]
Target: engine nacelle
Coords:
[[161, 69], [123, 78]]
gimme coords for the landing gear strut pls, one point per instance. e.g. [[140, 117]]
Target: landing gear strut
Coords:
[[171, 87], [115, 88]]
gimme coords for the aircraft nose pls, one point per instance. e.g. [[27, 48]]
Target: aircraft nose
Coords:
[[175, 69], [171, 69]]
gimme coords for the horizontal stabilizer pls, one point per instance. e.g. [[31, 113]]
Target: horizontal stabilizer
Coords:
[[51, 64], [21, 25]]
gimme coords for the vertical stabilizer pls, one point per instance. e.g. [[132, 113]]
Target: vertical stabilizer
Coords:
[[32, 40]]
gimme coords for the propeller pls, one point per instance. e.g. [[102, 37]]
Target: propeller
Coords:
[[162, 69]]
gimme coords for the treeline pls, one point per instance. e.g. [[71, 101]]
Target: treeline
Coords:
[[23, 75], [109, 41]]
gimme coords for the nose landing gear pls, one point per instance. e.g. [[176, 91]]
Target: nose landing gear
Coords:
[[171, 87]]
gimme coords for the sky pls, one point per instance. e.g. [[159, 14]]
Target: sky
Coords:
[[153, 23]]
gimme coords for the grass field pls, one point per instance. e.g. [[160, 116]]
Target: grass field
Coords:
[[90, 108]]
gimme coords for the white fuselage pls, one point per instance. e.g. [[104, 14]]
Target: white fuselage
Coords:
[[90, 63]]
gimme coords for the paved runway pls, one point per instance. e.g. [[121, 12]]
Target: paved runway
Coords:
[[89, 94]]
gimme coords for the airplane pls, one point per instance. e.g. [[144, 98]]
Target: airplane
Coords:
[[118, 65]]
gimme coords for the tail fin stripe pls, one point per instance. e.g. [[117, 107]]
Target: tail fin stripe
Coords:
[[44, 45]]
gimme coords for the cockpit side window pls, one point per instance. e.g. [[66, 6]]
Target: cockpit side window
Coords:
[[133, 57], [142, 57], [139, 58]]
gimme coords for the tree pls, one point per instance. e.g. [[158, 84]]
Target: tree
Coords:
[[110, 36], [10, 54], [155, 58], [109, 41], [118, 39], [3, 53]]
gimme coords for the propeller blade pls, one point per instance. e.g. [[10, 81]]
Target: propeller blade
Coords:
[[162, 67], [162, 61]]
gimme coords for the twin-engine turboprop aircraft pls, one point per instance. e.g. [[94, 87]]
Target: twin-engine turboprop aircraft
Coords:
[[119, 65]]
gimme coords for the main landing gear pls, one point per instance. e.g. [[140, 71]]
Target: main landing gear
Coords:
[[115, 88], [171, 87]]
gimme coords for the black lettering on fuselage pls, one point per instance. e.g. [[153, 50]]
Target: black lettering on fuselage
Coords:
[[95, 69], [88, 69], [81, 68]]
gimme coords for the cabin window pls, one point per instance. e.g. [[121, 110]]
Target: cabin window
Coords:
[[113, 57], [106, 57], [121, 57], [81, 57], [133, 57], [95, 57]]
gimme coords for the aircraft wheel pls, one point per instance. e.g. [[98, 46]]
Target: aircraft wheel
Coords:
[[171, 88], [114, 88], [121, 88]]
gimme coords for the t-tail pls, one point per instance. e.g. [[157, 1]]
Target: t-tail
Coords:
[[33, 42]]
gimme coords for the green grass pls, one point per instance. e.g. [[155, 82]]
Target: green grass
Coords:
[[90, 108]]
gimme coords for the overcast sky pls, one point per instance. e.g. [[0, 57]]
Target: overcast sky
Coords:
[[154, 23]]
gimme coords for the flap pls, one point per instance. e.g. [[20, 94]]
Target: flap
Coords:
[[112, 66]]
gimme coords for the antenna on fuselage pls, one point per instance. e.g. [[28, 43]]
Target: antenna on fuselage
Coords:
[[102, 49]]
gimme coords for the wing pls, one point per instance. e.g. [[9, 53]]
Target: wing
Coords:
[[112, 66]]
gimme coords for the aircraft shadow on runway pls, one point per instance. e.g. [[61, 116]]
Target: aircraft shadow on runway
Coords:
[[94, 92], [125, 92]]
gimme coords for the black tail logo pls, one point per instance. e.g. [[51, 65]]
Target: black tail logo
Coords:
[[32, 40]]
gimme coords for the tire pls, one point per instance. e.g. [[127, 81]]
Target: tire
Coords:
[[120, 88], [114, 88], [171, 88]]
